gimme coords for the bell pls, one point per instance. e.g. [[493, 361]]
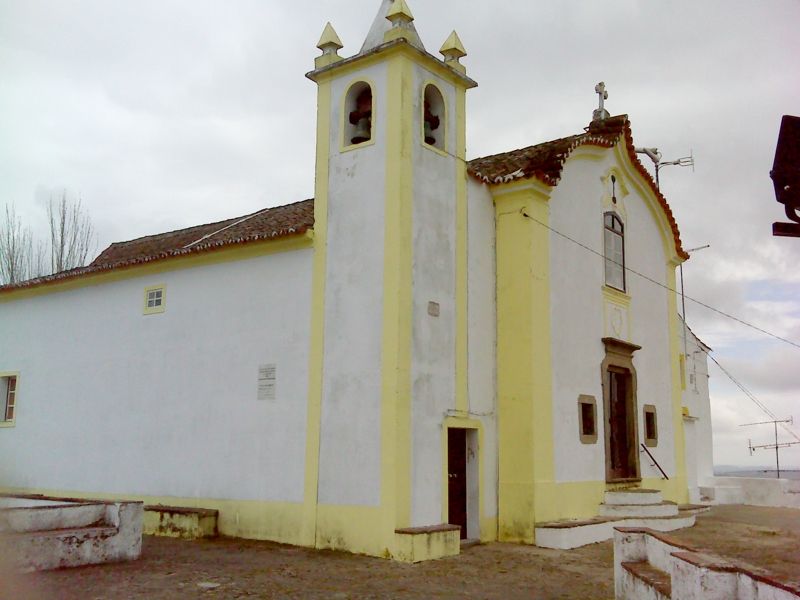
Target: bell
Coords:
[[429, 139], [362, 133]]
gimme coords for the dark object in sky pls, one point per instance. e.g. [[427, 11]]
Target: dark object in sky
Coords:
[[785, 175]]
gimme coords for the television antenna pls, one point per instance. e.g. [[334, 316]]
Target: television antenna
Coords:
[[776, 445]]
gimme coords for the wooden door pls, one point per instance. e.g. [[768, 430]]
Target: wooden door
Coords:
[[621, 426], [457, 479]]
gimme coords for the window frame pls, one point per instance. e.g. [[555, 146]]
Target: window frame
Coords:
[[591, 401], [609, 263], [4, 420], [650, 441], [155, 309]]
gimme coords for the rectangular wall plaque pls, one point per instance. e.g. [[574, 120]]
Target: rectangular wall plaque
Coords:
[[267, 377]]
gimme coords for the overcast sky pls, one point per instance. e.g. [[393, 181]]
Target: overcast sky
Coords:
[[170, 113]]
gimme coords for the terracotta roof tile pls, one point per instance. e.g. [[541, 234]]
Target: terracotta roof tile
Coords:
[[542, 161], [546, 161], [269, 223]]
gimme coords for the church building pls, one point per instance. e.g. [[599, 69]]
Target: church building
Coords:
[[430, 348]]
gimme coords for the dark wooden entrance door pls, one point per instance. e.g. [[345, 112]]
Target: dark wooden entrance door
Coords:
[[457, 479], [621, 425]]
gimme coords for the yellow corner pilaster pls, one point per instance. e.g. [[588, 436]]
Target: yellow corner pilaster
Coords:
[[678, 483], [462, 265], [524, 387], [317, 341], [397, 302]]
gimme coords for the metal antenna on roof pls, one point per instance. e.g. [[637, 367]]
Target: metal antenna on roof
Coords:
[[774, 446]]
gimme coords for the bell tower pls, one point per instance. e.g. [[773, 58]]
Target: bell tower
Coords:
[[389, 346]]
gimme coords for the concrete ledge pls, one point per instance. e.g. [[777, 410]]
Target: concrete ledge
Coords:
[[642, 557], [38, 542], [417, 544], [565, 535], [651, 577], [633, 496], [180, 522], [648, 509]]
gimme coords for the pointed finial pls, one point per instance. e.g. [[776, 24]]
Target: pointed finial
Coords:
[[399, 14], [453, 50], [330, 44]]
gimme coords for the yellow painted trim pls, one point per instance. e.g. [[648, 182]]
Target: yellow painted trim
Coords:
[[614, 295], [188, 261], [11, 422], [454, 422], [534, 186], [344, 114], [462, 250], [354, 529], [316, 355], [680, 478], [154, 310], [524, 385], [588, 152], [397, 300], [445, 119], [635, 179], [250, 519], [385, 55]]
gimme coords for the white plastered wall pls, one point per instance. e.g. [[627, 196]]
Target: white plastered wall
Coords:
[[579, 312], [350, 437], [114, 401], [700, 461], [482, 379], [434, 275]]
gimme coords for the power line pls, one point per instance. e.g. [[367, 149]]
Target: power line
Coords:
[[751, 396], [658, 283]]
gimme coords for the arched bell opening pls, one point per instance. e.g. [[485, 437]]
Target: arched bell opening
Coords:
[[433, 117], [358, 114]]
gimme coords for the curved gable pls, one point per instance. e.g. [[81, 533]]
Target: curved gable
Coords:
[[545, 162]]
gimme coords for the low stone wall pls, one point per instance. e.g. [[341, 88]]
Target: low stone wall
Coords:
[[757, 491], [41, 533], [648, 564]]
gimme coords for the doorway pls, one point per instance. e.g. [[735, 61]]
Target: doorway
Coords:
[[457, 479], [620, 412], [621, 425]]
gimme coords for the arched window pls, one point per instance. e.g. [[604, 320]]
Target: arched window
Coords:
[[433, 117], [358, 114], [614, 251]]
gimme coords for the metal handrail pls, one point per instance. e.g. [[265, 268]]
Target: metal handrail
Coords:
[[655, 462]]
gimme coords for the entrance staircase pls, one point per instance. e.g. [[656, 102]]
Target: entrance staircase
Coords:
[[634, 507]]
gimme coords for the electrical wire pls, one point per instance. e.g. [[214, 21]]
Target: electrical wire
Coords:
[[658, 283], [752, 396]]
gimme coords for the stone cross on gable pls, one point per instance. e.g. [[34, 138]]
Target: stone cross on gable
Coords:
[[601, 113]]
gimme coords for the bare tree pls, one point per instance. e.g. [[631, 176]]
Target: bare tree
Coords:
[[16, 244], [72, 236], [72, 240]]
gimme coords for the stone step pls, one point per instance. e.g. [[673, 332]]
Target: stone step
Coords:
[[180, 521], [658, 583], [634, 496], [49, 516], [568, 534], [663, 509]]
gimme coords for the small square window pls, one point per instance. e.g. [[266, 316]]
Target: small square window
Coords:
[[155, 299], [587, 419], [650, 426], [8, 398]]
